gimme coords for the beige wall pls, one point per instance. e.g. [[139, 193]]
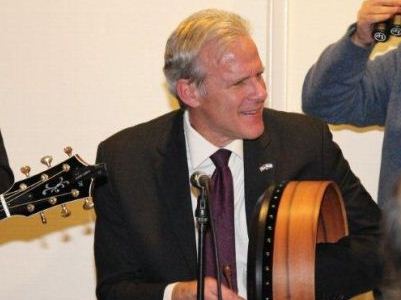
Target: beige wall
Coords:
[[74, 72]]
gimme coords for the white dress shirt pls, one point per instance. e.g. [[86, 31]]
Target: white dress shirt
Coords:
[[199, 151]]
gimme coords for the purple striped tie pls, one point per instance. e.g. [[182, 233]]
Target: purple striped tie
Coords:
[[222, 204]]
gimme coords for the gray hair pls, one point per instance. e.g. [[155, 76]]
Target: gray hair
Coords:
[[191, 35]]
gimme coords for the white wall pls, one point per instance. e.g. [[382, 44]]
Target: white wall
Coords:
[[72, 73]]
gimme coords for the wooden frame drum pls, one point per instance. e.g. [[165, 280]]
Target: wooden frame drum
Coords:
[[290, 219]]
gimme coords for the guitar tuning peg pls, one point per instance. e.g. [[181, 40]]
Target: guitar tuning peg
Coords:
[[88, 204], [68, 151], [65, 212], [25, 170], [43, 218], [47, 160]]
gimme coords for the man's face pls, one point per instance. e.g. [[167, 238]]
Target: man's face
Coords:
[[235, 91]]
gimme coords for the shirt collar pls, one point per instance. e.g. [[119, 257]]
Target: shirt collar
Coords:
[[200, 149]]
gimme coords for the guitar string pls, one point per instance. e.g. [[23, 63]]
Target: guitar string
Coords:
[[18, 194], [40, 200], [12, 193]]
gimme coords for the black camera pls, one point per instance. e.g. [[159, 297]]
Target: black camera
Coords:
[[384, 30]]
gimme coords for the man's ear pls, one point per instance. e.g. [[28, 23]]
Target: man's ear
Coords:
[[187, 92]]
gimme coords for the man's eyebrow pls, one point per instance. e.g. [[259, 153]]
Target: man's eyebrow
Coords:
[[239, 79]]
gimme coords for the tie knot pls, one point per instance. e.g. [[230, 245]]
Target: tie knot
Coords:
[[220, 158]]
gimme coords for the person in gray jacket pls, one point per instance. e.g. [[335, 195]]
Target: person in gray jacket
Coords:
[[345, 87]]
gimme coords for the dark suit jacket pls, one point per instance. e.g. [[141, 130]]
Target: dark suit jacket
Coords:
[[145, 236], [6, 175]]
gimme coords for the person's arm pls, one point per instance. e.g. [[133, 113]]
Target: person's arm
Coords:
[[6, 175], [119, 271], [344, 86], [352, 265]]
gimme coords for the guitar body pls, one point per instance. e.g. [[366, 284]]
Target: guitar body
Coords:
[[290, 220]]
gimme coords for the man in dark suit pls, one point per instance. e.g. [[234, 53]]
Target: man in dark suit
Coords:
[[6, 175], [145, 237]]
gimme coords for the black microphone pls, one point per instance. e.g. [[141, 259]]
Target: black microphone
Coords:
[[200, 180]]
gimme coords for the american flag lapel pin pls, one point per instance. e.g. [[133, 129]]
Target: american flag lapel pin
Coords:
[[265, 167]]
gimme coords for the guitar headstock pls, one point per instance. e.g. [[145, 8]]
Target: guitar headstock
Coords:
[[68, 181]]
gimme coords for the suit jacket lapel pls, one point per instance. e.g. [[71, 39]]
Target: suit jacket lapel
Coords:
[[173, 187], [259, 170]]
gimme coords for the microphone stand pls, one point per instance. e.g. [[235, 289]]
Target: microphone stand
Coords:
[[202, 218]]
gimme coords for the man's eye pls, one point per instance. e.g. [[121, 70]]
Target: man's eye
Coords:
[[240, 82]]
